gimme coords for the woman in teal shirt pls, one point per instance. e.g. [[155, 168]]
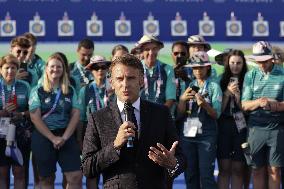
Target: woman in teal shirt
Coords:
[[200, 106], [14, 106], [55, 114]]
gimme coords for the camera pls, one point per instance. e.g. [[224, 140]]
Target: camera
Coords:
[[181, 61]]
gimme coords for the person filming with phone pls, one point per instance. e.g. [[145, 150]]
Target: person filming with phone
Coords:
[[19, 48], [15, 136], [200, 106], [232, 129], [180, 58]]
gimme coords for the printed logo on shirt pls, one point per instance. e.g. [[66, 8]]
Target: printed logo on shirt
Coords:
[[276, 87], [256, 88], [91, 101], [21, 96], [67, 99], [79, 101], [30, 101], [47, 100], [219, 98]]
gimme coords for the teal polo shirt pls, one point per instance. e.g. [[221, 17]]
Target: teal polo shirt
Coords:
[[213, 74], [168, 86], [76, 70], [214, 93], [38, 65], [88, 99], [61, 116], [258, 84]]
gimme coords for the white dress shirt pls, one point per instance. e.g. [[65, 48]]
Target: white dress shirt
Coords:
[[136, 106]]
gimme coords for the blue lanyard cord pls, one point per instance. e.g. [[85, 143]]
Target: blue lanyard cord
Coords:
[[13, 95], [97, 94], [53, 106], [85, 79], [204, 88], [157, 84]]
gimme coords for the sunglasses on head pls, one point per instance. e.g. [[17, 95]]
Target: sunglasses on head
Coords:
[[104, 67], [24, 52], [179, 53]]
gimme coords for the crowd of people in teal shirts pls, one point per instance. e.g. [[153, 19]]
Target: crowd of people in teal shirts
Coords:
[[236, 117]]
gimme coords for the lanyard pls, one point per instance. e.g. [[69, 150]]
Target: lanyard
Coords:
[[54, 105], [232, 104], [190, 103], [158, 82], [13, 97], [97, 94], [85, 79]]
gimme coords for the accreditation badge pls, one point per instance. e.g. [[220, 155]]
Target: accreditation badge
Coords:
[[240, 120], [191, 127], [4, 126]]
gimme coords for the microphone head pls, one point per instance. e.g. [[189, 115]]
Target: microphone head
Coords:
[[127, 109], [127, 105]]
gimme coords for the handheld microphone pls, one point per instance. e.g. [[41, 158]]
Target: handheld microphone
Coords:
[[130, 140]]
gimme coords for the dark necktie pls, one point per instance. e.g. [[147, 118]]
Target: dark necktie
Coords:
[[130, 116]]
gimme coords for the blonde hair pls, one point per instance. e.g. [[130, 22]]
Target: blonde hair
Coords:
[[9, 59], [64, 80]]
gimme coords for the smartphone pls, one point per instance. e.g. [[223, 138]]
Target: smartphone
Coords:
[[24, 66], [234, 79], [195, 89]]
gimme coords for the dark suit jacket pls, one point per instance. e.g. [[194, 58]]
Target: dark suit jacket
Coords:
[[99, 155]]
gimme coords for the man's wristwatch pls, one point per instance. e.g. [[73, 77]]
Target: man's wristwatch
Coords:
[[173, 171]]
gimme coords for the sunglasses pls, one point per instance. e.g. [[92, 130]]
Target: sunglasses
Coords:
[[179, 53], [24, 52], [99, 68]]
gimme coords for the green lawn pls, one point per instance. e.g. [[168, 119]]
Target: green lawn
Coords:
[[45, 50]]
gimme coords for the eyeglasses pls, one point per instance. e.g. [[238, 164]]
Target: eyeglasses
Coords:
[[24, 52], [179, 53], [99, 68]]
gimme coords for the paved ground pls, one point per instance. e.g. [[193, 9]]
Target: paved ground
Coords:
[[179, 182]]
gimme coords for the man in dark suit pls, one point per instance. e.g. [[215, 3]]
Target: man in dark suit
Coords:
[[144, 163]]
